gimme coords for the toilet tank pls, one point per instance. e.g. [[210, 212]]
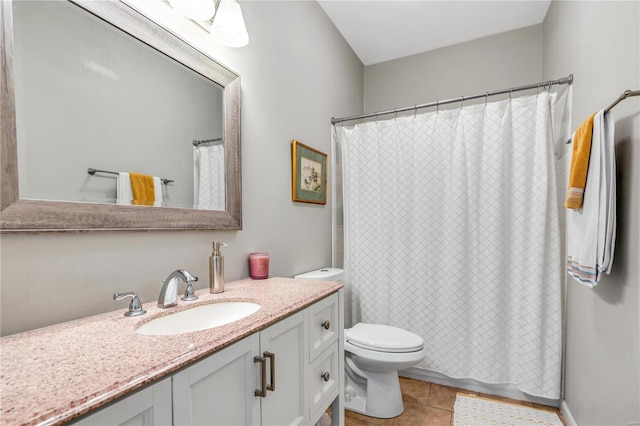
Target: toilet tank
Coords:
[[324, 274]]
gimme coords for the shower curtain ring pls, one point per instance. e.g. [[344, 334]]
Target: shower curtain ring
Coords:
[[395, 110], [415, 111], [549, 87], [437, 106], [461, 102], [486, 99], [510, 93]]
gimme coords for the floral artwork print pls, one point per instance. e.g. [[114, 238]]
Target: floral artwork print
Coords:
[[311, 175]]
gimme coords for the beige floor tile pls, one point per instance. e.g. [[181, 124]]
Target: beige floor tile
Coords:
[[415, 390], [350, 421], [422, 415], [369, 420], [429, 404], [442, 397]]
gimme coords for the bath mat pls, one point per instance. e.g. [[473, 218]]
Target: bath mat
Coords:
[[470, 410]]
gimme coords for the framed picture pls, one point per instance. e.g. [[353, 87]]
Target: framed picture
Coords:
[[309, 174]]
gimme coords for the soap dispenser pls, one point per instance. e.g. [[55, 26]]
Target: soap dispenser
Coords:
[[216, 269]]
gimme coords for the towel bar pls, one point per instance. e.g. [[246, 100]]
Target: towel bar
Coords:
[[93, 171], [625, 95]]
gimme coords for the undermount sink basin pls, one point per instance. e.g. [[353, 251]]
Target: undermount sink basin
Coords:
[[198, 318]]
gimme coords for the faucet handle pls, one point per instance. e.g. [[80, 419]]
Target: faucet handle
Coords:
[[188, 275], [135, 307], [189, 293]]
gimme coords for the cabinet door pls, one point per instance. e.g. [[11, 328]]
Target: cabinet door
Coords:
[[288, 403], [219, 390], [148, 407]]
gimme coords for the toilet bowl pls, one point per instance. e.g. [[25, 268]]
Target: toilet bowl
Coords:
[[374, 353]]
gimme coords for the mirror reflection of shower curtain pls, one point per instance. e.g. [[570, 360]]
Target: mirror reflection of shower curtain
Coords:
[[451, 231], [209, 177]]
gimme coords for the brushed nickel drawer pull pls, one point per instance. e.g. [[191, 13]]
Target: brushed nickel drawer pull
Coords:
[[272, 364], [262, 392], [326, 324], [326, 376]]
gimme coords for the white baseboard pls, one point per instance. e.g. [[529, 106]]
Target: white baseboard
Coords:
[[507, 391], [567, 415]]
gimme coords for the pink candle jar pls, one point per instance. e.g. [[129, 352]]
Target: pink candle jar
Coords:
[[259, 266]]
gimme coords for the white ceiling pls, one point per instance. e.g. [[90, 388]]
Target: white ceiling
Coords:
[[382, 30]]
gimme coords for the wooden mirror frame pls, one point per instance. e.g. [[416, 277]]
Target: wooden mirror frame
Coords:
[[19, 216]]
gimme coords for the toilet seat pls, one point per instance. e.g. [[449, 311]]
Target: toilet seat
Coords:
[[383, 338]]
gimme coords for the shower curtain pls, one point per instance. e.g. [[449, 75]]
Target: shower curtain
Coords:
[[451, 232], [209, 177]]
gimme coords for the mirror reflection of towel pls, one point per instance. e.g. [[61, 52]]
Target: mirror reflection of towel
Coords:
[[209, 177], [123, 189], [142, 189]]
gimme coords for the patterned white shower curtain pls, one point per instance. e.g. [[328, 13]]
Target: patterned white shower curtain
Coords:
[[452, 232], [209, 177]]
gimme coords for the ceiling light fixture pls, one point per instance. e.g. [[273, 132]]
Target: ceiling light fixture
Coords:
[[228, 26]]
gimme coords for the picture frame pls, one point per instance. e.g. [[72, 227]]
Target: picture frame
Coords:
[[309, 174]]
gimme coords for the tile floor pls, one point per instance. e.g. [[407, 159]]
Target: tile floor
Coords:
[[427, 404]]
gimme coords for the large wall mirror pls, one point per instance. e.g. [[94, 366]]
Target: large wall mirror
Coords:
[[93, 92]]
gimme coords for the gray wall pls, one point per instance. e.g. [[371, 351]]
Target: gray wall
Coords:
[[599, 42], [297, 72], [491, 63]]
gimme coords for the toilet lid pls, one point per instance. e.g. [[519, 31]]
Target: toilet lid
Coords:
[[383, 338]]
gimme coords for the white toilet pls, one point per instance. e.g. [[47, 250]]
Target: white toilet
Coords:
[[374, 354]]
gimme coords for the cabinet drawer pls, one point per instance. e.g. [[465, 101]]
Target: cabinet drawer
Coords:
[[323, 325], [323, 383]]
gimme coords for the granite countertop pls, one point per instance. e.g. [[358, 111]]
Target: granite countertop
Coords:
[[55, 374]]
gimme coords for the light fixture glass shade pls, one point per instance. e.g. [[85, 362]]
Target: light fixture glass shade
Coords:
[[198, 10], [228, 26]]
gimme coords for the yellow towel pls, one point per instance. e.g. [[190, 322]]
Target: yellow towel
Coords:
[[579, 164], [142, 189]]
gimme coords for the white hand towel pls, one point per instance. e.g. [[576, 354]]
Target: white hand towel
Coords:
[[123, 189], [591, 228], [607, 238], [157, 191]]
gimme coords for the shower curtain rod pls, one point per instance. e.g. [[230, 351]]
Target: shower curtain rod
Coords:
[[548, 84]]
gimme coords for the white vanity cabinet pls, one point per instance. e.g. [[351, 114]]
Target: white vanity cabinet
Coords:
[[229, 387], [150, 406], [286, 374]]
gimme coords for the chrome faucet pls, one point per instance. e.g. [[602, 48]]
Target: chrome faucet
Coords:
[[169, 292]]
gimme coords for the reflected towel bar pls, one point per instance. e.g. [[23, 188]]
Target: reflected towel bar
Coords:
[[93, 171], [198, 143]]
